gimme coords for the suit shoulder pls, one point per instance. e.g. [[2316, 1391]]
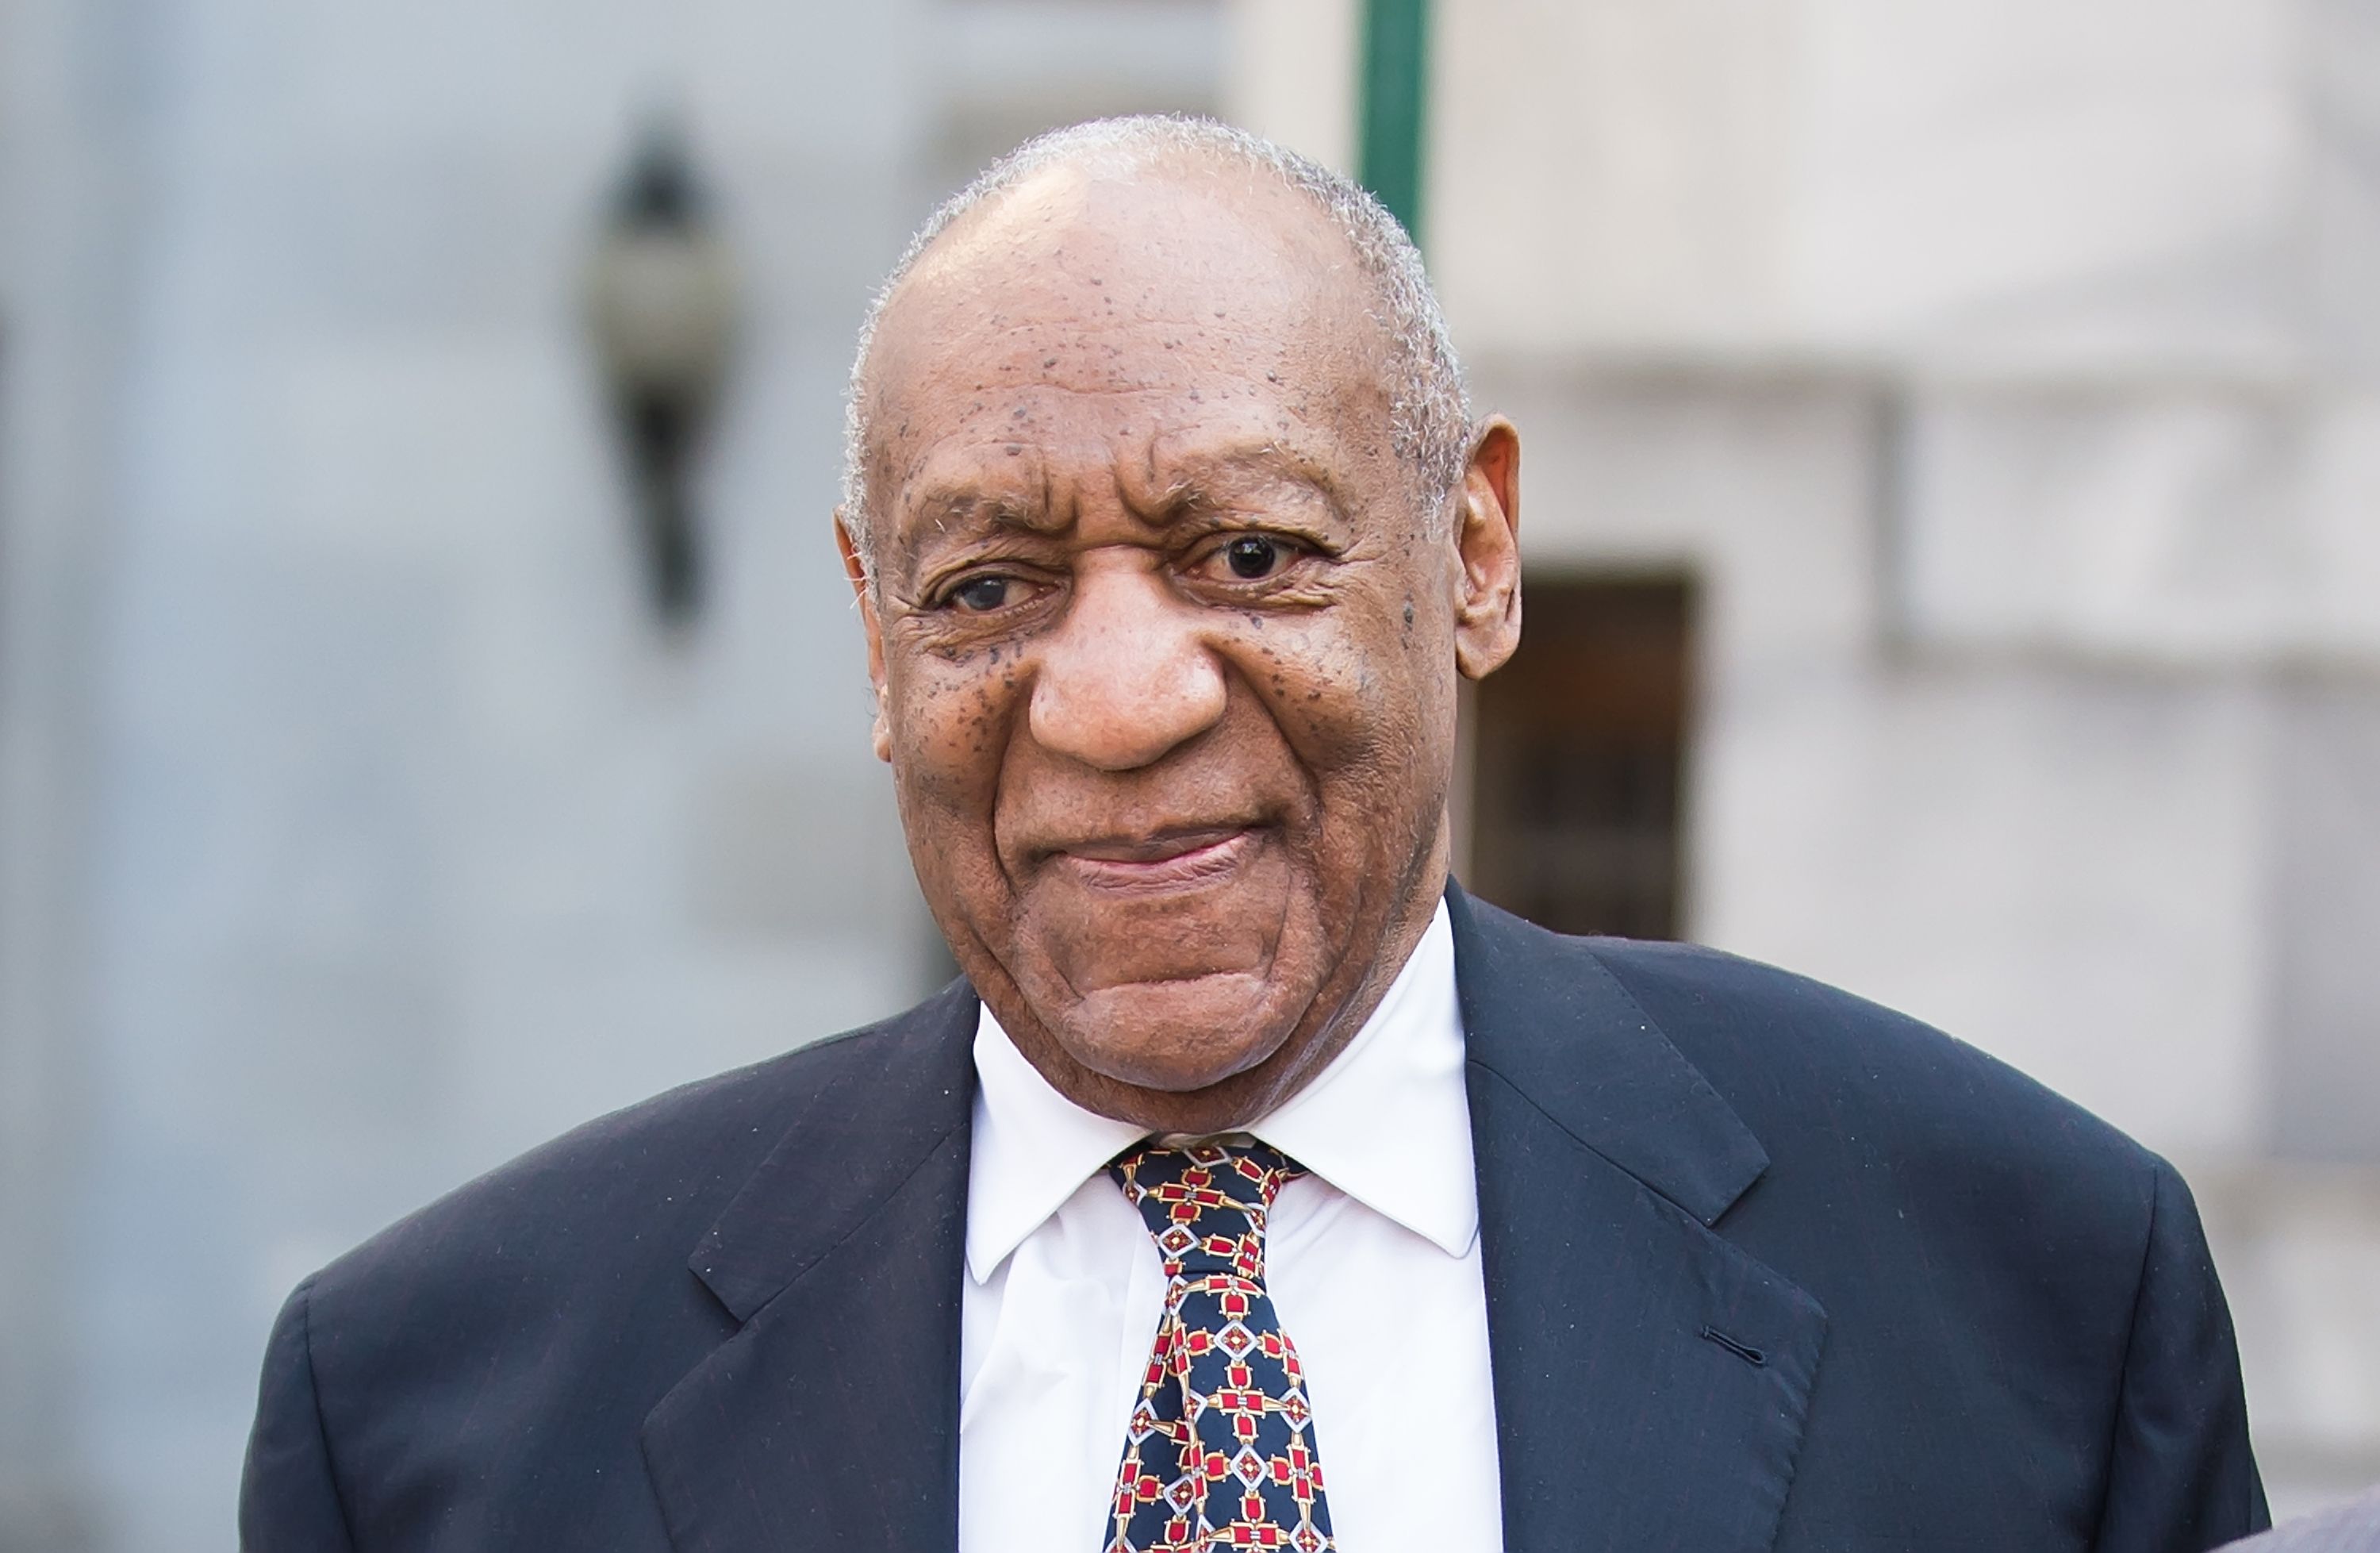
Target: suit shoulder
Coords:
[[1790, 1052], [657, 1171], [1892, 1144]]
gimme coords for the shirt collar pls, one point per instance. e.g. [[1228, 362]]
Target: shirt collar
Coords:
[[1388, 1122], [1033, 1148]]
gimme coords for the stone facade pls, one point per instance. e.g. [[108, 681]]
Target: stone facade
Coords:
[[360, 829], [2004, 372]]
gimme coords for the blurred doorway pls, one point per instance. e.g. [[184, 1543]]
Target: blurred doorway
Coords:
[[1580, 758]]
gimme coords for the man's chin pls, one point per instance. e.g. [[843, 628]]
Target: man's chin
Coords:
[[1179, 1035]]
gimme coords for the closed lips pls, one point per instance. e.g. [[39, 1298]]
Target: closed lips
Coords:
[[1168, 859]]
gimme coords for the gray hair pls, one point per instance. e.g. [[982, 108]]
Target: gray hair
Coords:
[[1430, 411]]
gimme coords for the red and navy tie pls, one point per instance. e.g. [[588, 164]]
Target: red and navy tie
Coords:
[[1221, 1451]]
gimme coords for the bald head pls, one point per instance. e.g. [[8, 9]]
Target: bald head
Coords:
[[1128, 186]]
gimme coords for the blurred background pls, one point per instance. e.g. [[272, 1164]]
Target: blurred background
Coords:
[[431, 713]]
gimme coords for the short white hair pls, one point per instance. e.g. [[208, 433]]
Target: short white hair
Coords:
[[1429, 407]]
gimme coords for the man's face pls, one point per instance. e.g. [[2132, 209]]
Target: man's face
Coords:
[[1165, 651]]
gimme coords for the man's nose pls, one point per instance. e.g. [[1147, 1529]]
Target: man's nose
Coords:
[[1126, 677]]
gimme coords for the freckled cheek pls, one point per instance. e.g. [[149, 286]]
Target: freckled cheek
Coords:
[[949, 729], [1356, 714], [1335, 706]]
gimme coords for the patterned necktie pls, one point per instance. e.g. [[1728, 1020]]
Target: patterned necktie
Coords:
[[1220, 1452]]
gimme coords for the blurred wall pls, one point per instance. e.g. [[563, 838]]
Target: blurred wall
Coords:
[[2008, 372], [360, 828]]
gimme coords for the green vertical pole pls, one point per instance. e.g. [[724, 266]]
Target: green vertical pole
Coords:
[[1394, 93]]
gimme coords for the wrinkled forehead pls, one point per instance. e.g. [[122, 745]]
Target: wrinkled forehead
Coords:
[[1127, 306]]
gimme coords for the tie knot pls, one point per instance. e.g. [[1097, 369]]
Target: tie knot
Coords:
[[1206, 1202]]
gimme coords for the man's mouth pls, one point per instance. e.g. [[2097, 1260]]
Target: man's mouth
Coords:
[[1167, 860]]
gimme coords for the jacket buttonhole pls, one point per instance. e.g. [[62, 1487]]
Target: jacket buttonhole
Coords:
[[1744, 1351]]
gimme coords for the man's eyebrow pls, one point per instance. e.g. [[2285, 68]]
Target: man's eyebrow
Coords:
[[941, 509], [960, 510], [1196, 477], [1177, 482]]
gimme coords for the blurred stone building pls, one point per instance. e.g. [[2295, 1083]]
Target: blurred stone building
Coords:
[[1998, 385], [1952, 489], [359, 825]]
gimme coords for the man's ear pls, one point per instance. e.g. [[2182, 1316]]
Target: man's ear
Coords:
[[1488, 551], [863, 591]]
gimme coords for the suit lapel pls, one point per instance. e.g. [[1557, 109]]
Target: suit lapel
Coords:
[[830, 1420], [1651, 1379]]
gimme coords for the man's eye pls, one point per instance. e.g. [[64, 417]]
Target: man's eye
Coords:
[[980, 595], [1252, 558]]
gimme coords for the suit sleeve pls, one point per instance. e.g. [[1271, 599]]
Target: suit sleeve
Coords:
[[288, 1498], [2180, 1474]]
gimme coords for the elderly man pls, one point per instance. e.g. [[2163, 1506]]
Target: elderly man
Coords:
[[1255, 1188]]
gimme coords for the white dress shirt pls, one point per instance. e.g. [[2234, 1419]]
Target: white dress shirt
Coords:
[[1372, 1260]]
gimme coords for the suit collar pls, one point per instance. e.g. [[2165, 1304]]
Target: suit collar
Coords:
[[1651, 1378], [828, 1417], [886, 1103], [1544, 1017]]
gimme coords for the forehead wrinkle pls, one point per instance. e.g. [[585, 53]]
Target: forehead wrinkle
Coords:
[[965, 470]]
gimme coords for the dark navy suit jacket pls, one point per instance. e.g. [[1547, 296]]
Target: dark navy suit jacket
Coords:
[[1766, 1268]]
